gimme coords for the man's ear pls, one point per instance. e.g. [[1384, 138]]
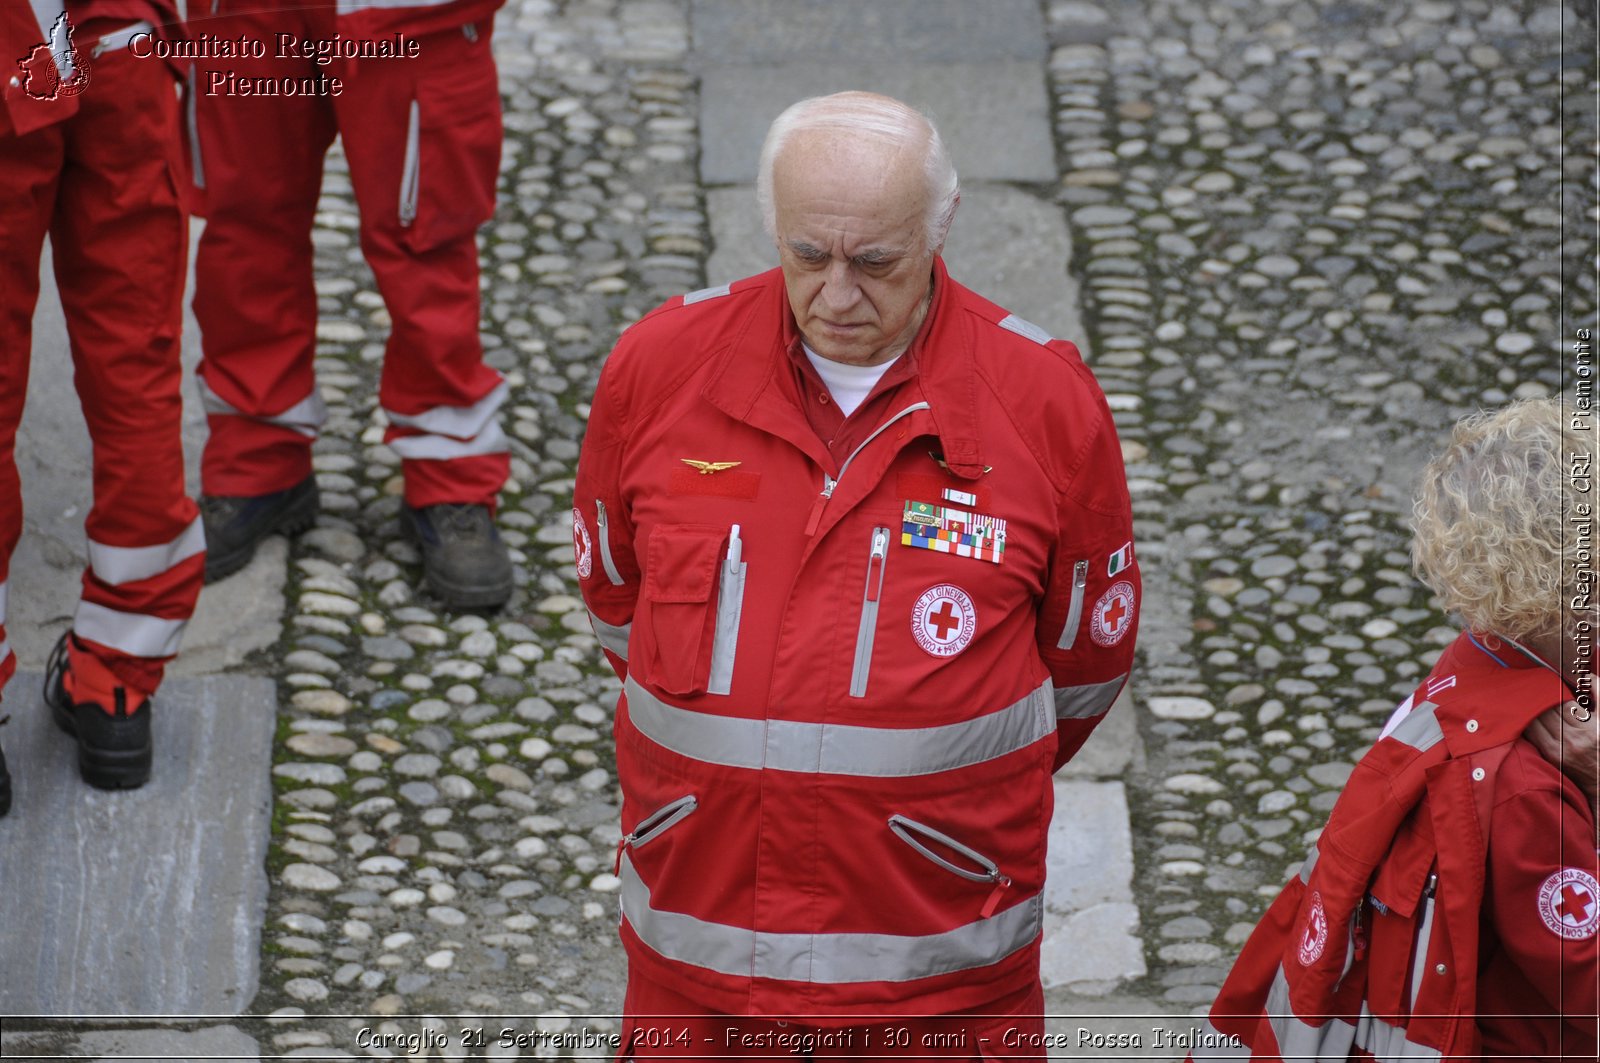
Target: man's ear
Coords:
[[948, 221]]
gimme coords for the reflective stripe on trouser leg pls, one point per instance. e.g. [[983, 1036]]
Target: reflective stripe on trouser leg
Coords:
[[828, 959], [304, 417], [8, 661], [116, 565], [131, 633]]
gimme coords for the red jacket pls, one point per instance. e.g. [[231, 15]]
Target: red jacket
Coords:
[[837, 732], [1451, 903], [31, 78]]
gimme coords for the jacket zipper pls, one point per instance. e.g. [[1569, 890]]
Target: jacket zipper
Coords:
[[904, 828], [193, 122], [605, 546], [830, 482], [1424, 935], [654, 825], [1069, 632], [877, 563], [410, 174]]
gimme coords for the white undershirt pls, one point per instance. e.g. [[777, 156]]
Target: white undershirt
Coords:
[[848, 384]]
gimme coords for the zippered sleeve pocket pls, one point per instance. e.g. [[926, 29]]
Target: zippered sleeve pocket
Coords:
[[1069, 630], [606, 560], [866, 631]]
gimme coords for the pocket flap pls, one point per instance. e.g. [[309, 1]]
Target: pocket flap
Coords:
[[1400, 879], [682, 562]]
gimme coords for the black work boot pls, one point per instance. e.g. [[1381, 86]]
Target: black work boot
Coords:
[[464, 560], [236, 524], [5, 779], [114, 748]]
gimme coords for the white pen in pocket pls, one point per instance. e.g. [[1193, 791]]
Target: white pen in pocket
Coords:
[[730, 603]]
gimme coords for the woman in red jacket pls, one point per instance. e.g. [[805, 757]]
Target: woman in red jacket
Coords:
[[1451, 905]]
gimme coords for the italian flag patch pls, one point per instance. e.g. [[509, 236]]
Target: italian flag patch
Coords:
[[1120, 559]]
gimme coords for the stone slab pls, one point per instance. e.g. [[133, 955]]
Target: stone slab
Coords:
[[1091, 925], [994, 117], [233, 619], [141, 902], [934, 31], [211, 1044], [1005, 244]]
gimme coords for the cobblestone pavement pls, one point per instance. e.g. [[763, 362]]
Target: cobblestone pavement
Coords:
[[1312, 234]]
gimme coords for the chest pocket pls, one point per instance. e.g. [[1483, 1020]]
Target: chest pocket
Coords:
[[682, 638]]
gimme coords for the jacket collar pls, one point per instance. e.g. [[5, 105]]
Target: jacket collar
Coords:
[[1488, 690], [743, 386]]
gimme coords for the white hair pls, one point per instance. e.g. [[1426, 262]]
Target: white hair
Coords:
[[869, 115]]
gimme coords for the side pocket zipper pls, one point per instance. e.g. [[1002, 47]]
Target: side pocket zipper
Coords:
[[605, 546], [904, 828], [1069, 631], [1419, 965], [411, 175], [654, 825], [877, 562], [730, 603]]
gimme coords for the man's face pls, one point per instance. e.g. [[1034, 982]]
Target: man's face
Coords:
[[851, 243]]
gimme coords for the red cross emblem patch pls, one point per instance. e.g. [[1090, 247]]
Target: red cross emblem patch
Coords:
[[1113, 614], [943, 620], [1315, 935], [1569, 904]]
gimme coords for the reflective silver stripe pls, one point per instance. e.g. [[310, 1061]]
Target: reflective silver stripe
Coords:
[[1090, 699], [462, 422], [113, 42], [1298, 1039], [1013, 323], [1069, 630], [1388, 1043], [606, 560], [706, 293], [1420, 729], [133, 633], [612, 637], [442, 448], [190, 102], [1212, 1043], [3, 600], [828, 959], [304, 417], [1310, 864], [841, 749], [117, 565], [410, 172], [5, 650]]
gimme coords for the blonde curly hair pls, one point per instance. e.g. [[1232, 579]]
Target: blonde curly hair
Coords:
[[1496, 522]]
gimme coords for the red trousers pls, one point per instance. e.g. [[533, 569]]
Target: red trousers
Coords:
[[658, 1023], [422, 136], [104, 184]]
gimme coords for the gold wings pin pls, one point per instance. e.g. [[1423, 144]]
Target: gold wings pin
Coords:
[[708, 467]]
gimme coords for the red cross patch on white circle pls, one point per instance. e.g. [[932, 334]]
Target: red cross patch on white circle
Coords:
[[1569, 904], [1112, 617], [943, 620], [582, 549], [1316, 932]]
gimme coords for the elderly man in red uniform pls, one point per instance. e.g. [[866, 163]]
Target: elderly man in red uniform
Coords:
[[1451, 906], [858, 542], [92, 155], [420, 125]]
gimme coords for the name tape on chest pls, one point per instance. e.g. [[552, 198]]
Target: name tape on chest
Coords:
[[947, 530]]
